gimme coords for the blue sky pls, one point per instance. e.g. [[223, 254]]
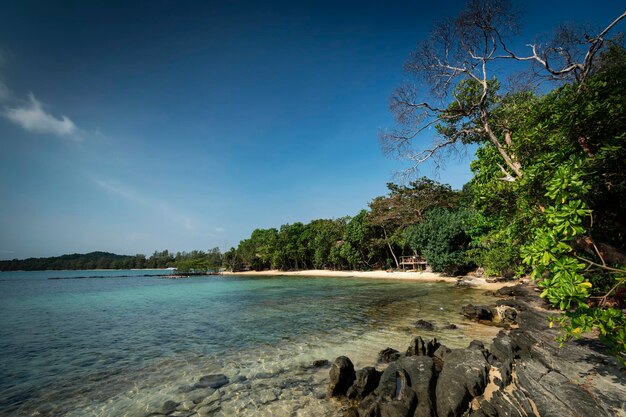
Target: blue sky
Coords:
[[186, 125]]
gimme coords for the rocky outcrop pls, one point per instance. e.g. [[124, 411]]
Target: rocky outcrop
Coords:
[[522, 373], [463, 377], [342, 377], [388, 355], [424, 325], [365, 382]]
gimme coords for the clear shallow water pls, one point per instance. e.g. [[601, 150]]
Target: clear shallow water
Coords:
[[121, 346]]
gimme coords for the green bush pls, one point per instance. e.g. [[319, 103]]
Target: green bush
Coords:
[[443, 240]]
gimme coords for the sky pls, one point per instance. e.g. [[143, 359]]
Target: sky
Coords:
[[132, 127]]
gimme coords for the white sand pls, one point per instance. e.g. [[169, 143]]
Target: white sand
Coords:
[[422, 276]]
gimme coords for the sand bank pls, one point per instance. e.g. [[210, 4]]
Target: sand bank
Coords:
[[422, 276]]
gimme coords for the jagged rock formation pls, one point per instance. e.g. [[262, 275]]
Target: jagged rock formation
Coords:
[[523, 373]]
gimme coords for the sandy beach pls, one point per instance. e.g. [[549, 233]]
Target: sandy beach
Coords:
[[421, 276]]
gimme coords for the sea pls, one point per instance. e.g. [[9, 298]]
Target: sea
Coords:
[[123, 343]]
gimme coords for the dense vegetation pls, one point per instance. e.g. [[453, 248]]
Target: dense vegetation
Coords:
[[184, 261], [548, 193]]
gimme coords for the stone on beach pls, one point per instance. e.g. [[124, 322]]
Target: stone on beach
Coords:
[[342, 376]]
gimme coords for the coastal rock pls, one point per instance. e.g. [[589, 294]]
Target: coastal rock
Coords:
[[512, 291], [212, 381], [422, 379], [207, 410], [523, 373], [366, 381], [320, 363], [419, 347], [198, 395], [477, 313], [502, 348], [342, 377], [187, 405], [388, 355], [463, 377], [424, 325], [169, 407], [477, 344], [397, 399]]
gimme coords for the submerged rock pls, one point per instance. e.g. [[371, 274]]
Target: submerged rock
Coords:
[[169, 407], [319, 363], [212, 381], [424, 325]]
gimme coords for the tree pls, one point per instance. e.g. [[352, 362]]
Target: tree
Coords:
[[405, 206], [565, 213], [443, 239], [456, 60]]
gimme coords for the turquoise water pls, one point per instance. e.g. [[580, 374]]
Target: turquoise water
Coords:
[[118, 346]]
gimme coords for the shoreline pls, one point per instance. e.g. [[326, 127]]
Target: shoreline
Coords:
[[421, 276]]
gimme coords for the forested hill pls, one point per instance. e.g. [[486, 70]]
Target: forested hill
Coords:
[[194, 260], [92, 260]]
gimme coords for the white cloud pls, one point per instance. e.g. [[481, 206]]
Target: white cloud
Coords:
[[34, 118]]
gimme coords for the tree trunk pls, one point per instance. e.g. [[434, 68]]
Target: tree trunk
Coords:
[[391, 249]]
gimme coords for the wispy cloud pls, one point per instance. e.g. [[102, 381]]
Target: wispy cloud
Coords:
[[184, 221], [123, 192], [33, 117]]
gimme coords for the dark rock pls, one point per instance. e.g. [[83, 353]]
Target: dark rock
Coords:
[[463, 377], [502, 347], [510, 315], [518, 305], [477, 313], [365, 382], [419, 347], [476, 344], [350, 412], [402, 401], [388, 355], [185, 388], [450, 327], [212, 381], [512, 291], [422, 379], [320, 363], [169, 407], [342, 377], [506, 372], [424, 325], [406, 388], [369, 407]]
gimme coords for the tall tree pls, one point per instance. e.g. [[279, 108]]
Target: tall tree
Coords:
[[456, 61]]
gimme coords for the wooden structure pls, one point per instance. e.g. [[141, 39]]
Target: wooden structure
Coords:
[[414, 261]]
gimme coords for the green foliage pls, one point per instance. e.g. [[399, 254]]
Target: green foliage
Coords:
[[569, 201], [442, 239]]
